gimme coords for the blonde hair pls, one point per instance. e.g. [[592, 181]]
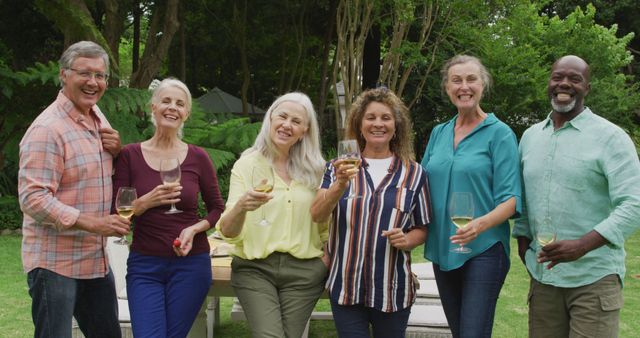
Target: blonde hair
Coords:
[[485, 76], [155, 98], [306, 163], [401, 144]]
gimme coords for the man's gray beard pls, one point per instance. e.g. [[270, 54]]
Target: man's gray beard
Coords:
[[562, 109]]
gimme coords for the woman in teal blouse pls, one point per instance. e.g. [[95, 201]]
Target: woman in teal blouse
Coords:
[[476, 153]]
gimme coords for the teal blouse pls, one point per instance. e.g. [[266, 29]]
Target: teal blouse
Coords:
[[486, 163]]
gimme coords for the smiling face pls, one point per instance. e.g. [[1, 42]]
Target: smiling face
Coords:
[[464, 86], [83, 92], [170, 108], [378, 126], [568, 85], [289, 123]]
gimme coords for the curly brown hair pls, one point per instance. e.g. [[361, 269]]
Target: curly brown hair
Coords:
[[401, 144]]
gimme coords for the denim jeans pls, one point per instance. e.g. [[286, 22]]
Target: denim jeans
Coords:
[[56, 299], [352, 321], [166, 293], [469, 294]]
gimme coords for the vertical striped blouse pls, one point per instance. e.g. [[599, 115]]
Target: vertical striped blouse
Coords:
[[365, 268]]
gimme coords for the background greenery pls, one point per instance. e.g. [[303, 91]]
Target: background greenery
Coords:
[[260, 49], [510, 322]]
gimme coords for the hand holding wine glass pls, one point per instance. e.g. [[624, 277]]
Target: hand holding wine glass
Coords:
[[349, 153], [262, 181], [545, 232], [170, 173], [124, 207], [461, 212]]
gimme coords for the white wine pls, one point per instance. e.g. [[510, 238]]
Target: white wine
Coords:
[[461, 221], [352, 161], [125, 211], [264, 188], [545, 238]]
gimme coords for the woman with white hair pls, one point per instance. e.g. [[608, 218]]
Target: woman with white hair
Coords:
[[167, 283], [278, 270]]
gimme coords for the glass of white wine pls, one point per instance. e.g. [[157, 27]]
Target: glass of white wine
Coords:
[[170, 173], [262, 181], [545, 232], [461, 213], [124, 207], [349, 153]]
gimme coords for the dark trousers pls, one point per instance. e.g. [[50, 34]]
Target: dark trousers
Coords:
[[469, 294], [352, 321], [56, 299], [166, 293]]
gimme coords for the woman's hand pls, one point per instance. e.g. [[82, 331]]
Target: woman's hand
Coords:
[[397, 238], [344, 172], [406, 241], [468, 233], [186, 242], [253, 200], [163, 194]]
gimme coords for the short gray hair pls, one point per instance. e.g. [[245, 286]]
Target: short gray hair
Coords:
[[87, 49], [460, 59]]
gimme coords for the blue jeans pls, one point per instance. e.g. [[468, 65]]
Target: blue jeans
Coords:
[[56, 299], [469, 294], [352, 321], [166, 293]]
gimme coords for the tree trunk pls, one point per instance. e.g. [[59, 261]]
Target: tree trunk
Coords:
[[324, 73], [164, 24], [135, 53], [371, 58], [115, 16]]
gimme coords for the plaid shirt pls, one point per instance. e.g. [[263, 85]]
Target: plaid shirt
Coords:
[[64, 171]]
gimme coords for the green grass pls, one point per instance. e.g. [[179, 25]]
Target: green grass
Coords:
[[511, 314]]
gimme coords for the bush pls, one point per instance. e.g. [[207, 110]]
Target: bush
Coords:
[[10, 214]]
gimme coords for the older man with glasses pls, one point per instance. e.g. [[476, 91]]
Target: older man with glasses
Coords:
[[65, 193]]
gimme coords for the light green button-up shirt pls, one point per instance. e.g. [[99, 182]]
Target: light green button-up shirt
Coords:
[[584, 176]]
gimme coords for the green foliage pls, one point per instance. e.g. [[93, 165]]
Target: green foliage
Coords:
[[23, 96], [224, 141], [124, 108], [10, 214]]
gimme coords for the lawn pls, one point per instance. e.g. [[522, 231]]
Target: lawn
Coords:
[[511, 316]]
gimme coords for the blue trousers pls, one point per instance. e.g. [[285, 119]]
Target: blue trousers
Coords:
[[352, 321], [166, 293], [55, 299], [469, 294]]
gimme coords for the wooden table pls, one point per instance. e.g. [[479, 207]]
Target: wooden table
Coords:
[[209, 315]]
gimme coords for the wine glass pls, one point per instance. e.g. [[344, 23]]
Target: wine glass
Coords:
[[170, 173], [545, 232], [461, 213], [124, 207], [349, 152], [262, 181]]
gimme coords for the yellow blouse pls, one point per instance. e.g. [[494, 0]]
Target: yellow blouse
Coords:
[[291, 230]]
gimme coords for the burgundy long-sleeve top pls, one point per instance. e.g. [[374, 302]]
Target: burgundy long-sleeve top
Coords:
[[154, 231]]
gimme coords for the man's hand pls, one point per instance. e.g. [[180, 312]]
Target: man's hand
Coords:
[[110, 140], [523, 246], [570, 250], [111, 225]]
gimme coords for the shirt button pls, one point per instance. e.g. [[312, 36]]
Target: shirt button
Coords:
[[289, 201]]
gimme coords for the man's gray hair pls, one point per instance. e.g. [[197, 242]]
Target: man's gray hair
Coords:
[[87, 49]]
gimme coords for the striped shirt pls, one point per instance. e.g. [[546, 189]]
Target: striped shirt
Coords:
[[64, 171], [365, 268]]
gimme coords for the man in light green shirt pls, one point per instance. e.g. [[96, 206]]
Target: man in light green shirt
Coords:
[[582, 176]]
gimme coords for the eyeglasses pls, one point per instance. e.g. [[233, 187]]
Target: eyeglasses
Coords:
[[88, 75]]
